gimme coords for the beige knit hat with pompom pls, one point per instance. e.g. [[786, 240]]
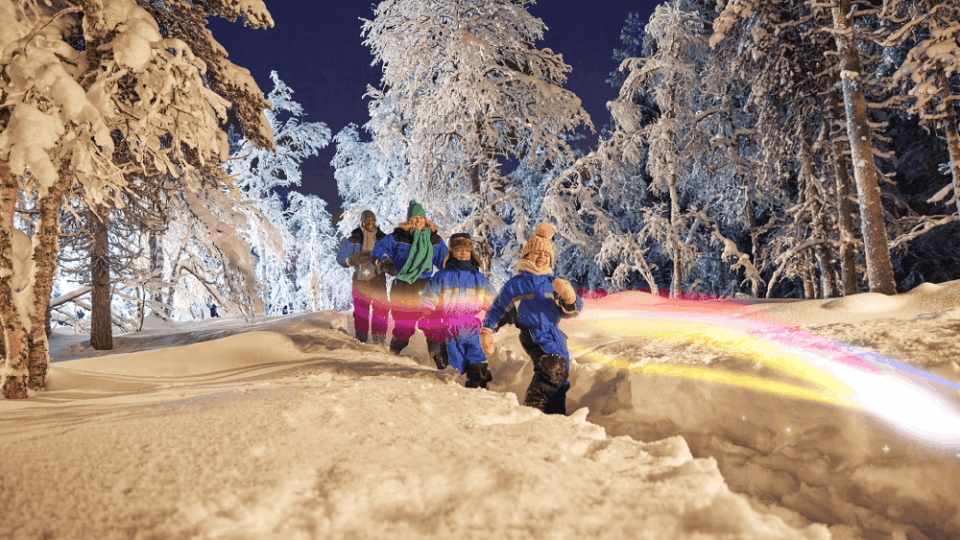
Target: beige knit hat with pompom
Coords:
[[541, 242]]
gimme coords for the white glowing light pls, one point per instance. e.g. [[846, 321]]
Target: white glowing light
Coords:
[[902, 403]]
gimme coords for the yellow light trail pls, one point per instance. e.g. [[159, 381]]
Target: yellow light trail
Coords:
[[835, 376], [725, 339], [730, 379]]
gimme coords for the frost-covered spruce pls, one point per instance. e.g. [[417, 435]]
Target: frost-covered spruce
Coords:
[[75, 75], [465, 88]]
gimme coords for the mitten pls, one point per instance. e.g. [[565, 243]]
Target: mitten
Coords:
[[486, 341], [388, 267], [564, 290], [360, 257]]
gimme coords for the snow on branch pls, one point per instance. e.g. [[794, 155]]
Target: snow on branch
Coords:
[[923, 224]]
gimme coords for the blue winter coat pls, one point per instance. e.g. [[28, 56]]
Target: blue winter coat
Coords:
[[528, 302], [457, 294], [354, 244], [396, 248]]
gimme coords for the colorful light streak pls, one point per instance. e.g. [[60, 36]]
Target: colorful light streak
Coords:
[[905, 397]]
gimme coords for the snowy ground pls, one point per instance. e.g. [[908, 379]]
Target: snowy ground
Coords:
[[704, 420]]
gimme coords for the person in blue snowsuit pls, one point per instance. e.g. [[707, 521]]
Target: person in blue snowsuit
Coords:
[[458, 293], [535, 301], [410, 254], [369, 282]]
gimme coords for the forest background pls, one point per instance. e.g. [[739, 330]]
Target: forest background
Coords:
[[782, 149]]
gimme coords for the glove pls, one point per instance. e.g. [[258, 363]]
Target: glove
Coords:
[[486, 341], [388, 267], [564, 290], [360, 258]]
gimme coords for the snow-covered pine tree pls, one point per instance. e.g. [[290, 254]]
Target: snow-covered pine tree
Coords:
[[611, 186], [370, 175], [767, 26], [872, 225], [728, 150], [670, 75], [930, 65], [262, 175], [469, 93], [73, 74], [320, 282], [261, 170], [786, 71]]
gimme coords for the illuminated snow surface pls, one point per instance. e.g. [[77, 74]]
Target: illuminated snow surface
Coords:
[[700, 420]]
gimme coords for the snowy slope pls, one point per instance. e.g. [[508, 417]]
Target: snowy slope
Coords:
[[678, 427]]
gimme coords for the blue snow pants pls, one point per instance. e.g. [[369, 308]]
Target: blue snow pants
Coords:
[[464, 350]]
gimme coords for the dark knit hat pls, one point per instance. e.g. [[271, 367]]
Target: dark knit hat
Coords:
[[365, 215], [541, 242], [415, 209]]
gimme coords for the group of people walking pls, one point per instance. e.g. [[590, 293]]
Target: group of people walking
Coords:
[[447, 304]]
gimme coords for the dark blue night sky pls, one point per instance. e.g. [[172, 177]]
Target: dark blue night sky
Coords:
[[316, 48]]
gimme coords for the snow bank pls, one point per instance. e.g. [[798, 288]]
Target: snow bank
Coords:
[[327, 438], [289, 428]]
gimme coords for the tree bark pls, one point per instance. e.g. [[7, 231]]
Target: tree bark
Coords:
[[848, 251], [754, 239], [156, 272], [751, 213], [45, 257], [807, 273], [14, 374], [101, 329], [949, 124], [677, 284], [875, 242]]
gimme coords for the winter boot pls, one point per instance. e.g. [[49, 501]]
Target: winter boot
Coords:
[[379, 339], [558, 401], [361, 336], [438, 352], [478, 375], [549, 373], [398, 345]]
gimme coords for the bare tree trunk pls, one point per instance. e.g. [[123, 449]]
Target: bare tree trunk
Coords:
[[13, 376], [807, 275], [101, 329], [156, 270], [749, 189], [754, 241], [949, 124], [45, 257], [174, 278], [875, 242], [814, 196], [828, 272], [676, 286], [823, 252], [848, 262]]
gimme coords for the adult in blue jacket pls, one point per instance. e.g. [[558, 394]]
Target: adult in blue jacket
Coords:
[[369, 282], [535, 301], [458, 293], [410, 254]]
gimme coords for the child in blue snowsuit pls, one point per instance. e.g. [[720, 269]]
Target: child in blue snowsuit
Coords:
[[534, 301], [458, 293]]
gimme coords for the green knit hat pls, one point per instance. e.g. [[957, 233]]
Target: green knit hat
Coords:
[[415, 209]]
